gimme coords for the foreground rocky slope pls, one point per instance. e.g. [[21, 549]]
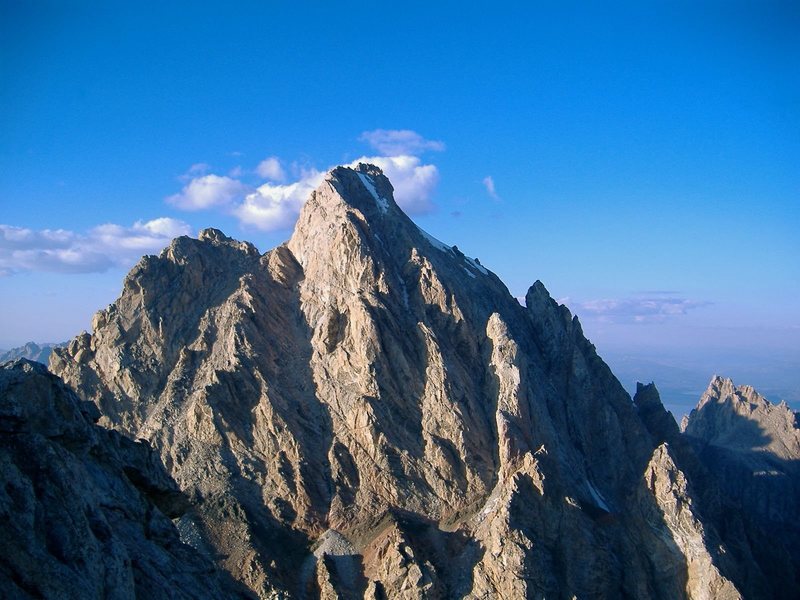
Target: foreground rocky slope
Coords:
[[367, 412], [84, 511]]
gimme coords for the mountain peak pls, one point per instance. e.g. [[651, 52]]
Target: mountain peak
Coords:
[[213, 235], [368, 169], [371, 391], [722, 388], [738, 417], [351, 228], [364, 187]]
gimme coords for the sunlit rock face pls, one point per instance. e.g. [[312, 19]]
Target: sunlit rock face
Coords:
[[365, 411]]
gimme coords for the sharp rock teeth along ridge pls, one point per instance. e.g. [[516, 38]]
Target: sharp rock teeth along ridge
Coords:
[[366, 412]]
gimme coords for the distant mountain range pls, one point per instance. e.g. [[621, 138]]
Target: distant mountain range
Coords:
[[32, 351], [366, 412], [682, 378]]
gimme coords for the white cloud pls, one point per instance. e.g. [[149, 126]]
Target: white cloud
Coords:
[[637, 310], [413, 182], [208, 191], [19, 238], [142, 237], [199, 169], [101, 248], [488, 183], [397, 142], [277, 202], [274, 206], [271, 169], [196, 170]]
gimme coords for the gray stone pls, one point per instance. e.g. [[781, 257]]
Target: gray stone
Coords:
[[85, 512]]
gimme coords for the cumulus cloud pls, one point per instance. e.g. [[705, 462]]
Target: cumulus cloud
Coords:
[[270, 206], [397, 142], [271, 169], [275, 206], [276, 203], [414, 182], [637, 310], [101, 248], [196, 170], [208, 191], [199, 169], [488, 183]]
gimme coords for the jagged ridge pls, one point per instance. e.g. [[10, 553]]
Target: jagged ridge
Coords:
[[368, 384]]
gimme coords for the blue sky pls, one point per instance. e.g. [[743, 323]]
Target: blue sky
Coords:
[[644, 163]]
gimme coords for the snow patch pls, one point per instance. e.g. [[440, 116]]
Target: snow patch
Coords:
[[490, 506], [597, 497], [334, 543], [405, 293], [476, 265], [383, 203], [434, 242], [471, 262]]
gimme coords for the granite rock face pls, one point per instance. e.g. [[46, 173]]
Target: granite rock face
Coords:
[[365, 411], [85, 512]]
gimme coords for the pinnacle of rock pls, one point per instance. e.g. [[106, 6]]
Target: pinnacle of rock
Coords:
[[656, 418], [739, 418]]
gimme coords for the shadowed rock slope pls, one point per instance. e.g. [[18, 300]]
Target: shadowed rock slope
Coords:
[[365, 411], [736, 490], [84, 511]]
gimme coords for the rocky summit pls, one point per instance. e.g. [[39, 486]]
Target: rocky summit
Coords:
[[366, 412]]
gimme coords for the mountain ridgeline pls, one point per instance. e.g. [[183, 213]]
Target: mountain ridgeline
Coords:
[[32, 351], [366, 412]]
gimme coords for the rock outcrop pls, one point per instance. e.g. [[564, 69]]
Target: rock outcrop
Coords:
[[85, 512], [365, 411]]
